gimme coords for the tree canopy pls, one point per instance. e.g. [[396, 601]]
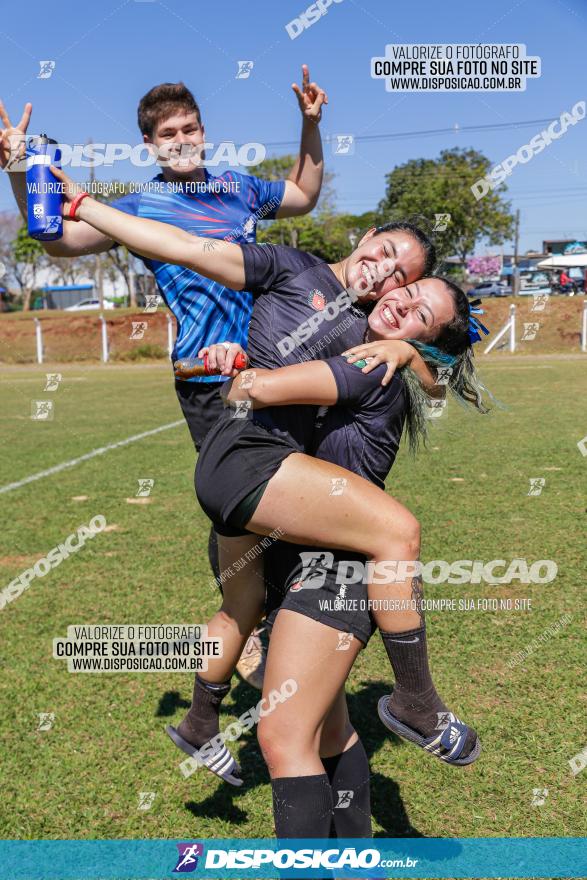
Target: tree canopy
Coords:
[[423, 188]]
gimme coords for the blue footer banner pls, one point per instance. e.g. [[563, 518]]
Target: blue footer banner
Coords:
[[381, 857]]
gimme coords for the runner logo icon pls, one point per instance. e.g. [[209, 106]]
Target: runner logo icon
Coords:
[[443, 720], [188, 857], [344, 800], [314, 570]]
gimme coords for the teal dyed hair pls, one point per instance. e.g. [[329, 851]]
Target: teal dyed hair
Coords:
[[453, 349], [433, 355]]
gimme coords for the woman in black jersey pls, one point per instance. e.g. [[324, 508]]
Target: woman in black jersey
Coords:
[[254, 475]]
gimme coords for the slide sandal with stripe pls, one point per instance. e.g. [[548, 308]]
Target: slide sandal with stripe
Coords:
[[447, 745], [221, 762]]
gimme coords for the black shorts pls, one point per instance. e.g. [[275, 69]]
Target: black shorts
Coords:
[[201, 405], [237, 459], [324, 594], [238, 456]]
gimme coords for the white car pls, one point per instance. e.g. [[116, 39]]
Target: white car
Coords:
[[89, 304]]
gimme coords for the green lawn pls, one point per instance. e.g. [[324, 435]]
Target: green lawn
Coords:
[[82, 778]]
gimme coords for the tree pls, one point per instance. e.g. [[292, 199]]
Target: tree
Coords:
[[70, 270], [322, 232], [9, 224], [29, 259], [327, 235], [117, 261], [426, 187], [279, 167]]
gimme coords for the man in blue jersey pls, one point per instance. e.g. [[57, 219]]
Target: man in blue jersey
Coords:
[[184, 194]]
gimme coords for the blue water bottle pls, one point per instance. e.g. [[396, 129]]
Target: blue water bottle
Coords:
[[44, 196]]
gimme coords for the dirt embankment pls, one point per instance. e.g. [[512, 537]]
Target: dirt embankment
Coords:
[[71, 336], [77, 336]]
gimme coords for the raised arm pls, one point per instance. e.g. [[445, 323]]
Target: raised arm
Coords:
[[302, 187], [78, 238], [396, 354], [219, 260]]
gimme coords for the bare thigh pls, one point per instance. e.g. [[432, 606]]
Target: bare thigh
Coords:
[[362, 518], [305, 652], [298, 500]]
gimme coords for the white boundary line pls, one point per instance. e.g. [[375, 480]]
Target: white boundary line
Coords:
[[100, 451]]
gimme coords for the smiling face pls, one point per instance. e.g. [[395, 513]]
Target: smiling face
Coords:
[[417, 311], [179, 139], [382, 262]]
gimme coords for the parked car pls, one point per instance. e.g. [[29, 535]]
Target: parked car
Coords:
[[491, 288], [85, 304]]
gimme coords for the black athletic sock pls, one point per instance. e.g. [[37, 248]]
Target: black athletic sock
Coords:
[[415, 700], [351, 792], [302, 806], [201, 722]]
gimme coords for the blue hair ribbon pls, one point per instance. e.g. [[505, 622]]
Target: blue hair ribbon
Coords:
[[475, 324]]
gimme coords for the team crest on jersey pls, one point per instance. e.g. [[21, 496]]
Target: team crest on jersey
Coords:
[[317, 300]]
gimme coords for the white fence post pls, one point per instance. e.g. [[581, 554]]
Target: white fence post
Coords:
[[169, 334], [584, 327], [105, 352], [511, 327], [39, 337]]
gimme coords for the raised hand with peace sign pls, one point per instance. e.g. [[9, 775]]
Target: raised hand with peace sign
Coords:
[[310, 97], [13, 139]]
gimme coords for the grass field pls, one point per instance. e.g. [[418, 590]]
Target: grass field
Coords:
[[82, 778]]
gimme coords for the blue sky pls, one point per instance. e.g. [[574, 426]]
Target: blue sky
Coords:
[[109, 53]]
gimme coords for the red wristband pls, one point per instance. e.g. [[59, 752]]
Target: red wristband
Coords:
[[74, 205]]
